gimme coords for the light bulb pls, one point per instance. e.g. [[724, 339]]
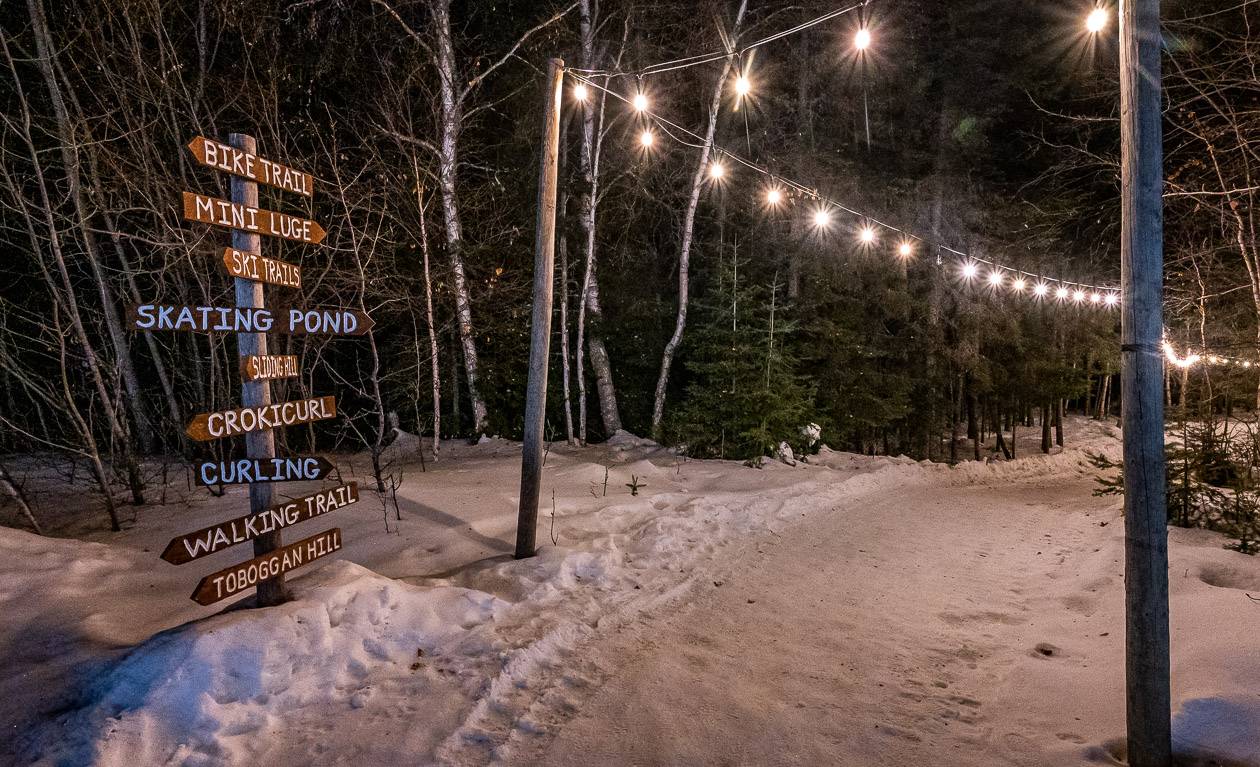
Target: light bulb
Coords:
[[1018, 285], [640, 102], [862, 40], [867, 235], [995, 278], [773, 196], [646, 138], [905, 250], [742, 86], [1095, 298], [1061, 293], [1096, 21], [1041, 289], [970, 270], [822, 219], [716, 170], [1112, 299], [1078, 295], [579, 92]]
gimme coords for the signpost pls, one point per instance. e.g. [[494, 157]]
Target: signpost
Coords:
[[248, 165], [208, 540], [269, 367], [250, 266], [296, 468], [261, 418], [238, 319], [270, 566], [244, 217]]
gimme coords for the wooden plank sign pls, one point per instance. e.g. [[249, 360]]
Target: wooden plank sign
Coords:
[[214, 538], [242, 319], [233, 580], [269, 367], [226, 423], [227, 158], [234, 215], [250, 266], [241, 471]]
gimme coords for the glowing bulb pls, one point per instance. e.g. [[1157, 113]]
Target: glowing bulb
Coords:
[[646, 138], [773, 196], [822, 219], [867, 235], [1095, 298], [1018, 285], [905, 250], [862, 40], [995, 278], [1041, 289], [716, 170], [579, 92], [1247, 364], [1061, 293], [742, 86], [1112, 299], [640, 102], [1078, 296], [969, 271], [1096, 21]]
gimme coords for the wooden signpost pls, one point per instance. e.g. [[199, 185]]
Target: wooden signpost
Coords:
[[269, 367], [297, 468], [237, 578], [248, 218], [208, 540], [227, 423], [249, 266], [258, 417], [238, 319]]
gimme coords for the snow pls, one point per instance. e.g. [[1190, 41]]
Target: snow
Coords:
[[428, 644]]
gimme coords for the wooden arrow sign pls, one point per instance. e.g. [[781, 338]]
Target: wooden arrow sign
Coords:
[[245, 470], [250, 266], [233, 580], [269, 367], [234, 215], [226, 423], [227, 158], [208, 540], [241, 319]]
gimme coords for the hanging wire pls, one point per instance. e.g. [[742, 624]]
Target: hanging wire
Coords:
[[1080, 292]]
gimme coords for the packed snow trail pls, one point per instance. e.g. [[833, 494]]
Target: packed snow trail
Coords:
[[944, 626]]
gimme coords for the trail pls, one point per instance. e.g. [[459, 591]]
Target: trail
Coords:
[[942, 626]]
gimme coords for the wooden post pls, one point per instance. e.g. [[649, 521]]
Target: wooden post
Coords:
[[262, 443], [540, 339], [1149, 704]]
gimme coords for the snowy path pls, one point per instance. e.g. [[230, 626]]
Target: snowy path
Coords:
[[943, 626]]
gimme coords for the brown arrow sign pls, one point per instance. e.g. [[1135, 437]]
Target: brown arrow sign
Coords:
[[269, 367], [233, 215], [242, 471], [214, 538], [251, 266], [220, 156], [226, 423], [233, 580], [244, 319]]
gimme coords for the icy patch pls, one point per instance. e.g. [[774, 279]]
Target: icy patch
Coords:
[[183, 695]]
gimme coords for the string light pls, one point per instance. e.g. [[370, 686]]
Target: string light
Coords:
[[580, 93], [862, 40], [906, 249], [1096, 21], [742, 86], [1192, 358], [646, 138], [998, 274], [1078, 295], [1095, 298]]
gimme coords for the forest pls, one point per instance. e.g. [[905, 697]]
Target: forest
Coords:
[[722, 315]]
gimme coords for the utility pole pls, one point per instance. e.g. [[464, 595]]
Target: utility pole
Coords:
[[1148, 693], [540, 337], [258, 444]]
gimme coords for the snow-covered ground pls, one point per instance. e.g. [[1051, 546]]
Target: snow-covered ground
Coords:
[[854, 610]]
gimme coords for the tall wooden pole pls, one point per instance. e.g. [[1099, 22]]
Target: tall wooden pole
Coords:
[[1149, 700], [540, 338], [258, 444]]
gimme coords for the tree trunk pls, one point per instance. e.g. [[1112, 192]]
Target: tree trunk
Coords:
[[1046, 440], [434, 365], [688, 230], [1058, 422]]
